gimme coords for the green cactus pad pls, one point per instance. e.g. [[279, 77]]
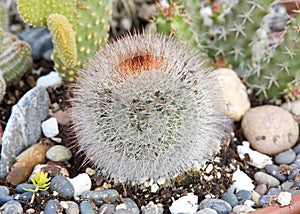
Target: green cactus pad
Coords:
[[36, 12], [15, 61], [64, 39]]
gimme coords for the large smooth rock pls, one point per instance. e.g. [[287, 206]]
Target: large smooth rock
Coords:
[[23, 127], [270, 129], [235, 94]]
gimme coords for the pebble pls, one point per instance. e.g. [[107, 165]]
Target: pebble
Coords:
[[20, 187], [50, 127], [293, 107], [154, 188], [284, 198], [261, 189], [63, 117], [81, 183], [4, 190], [264, 178], [235, 94], [242, 209], [51, 80], [241, 181], [186, 204], [292, 175], [63, 186], [70, 207], [297, 149], [152, 208], [99, 195], [242, 196], [59, 153], [263, 200], [285, 157], [207, 211], [5, 198], [11, 207], [23, 127], [26, 196], [39, 39], [257, 159], [53, 207], [274, 191], [274, 170], [87, 207], [286, 186], [230, 198], [122, 211], [222, 207], [270, 129], [107, 209], [51, 169], [30, 211], [26, 161], [131, 206], [255, 196]]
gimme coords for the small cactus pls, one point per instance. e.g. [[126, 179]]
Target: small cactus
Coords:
[[87, 18], [147, 106], [3, 16]]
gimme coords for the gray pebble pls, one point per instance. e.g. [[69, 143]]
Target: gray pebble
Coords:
[[286, 157], [263, 200], [261, 189], [98, 195], [70, 207], [242, 209], [297, 149], [297, 184], [122, 211], [20, 187], [222, 207], [11, 207], [53, 207], [152, 208], [131, 206], [242, 196], [295, 165], [293, 174], [297, 159], [274, 191], [107, 209], [87, 207], [295, 191], [5, 198], [59, 153], [264, 178], [206, 211], [26, 196], [4, 190], [47, 55], [63, 186], [286, 186], [230, 198], [23, 128], [274, 170]]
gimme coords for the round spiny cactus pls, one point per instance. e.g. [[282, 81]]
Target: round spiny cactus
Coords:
[[147, 106]]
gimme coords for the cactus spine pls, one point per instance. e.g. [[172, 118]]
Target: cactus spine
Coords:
[[148, 106], [88, 19]]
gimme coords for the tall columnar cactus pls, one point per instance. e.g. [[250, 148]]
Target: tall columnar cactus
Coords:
[[15, 55], [147, 106], [279, 72], [88, 20]]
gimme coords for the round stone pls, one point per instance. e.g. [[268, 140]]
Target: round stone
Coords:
[[86, 207], [216, 204], [99, 195], [264, 178], [63, 186], [59, 153], [4, 190], [274, 170], [293, 174], [230, 198], [270, 129], [107, 209], [285, 157], [286, 186], [207, 211], [53, 207], [11, 207], [20, 187], [131, 206], [70, 207], [242, 196], [297, 149], [261, 189]]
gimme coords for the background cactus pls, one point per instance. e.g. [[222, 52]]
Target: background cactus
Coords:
[[147, 106], [15, 55], [89, 20]]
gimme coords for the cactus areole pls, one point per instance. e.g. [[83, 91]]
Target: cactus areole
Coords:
[[147, 106]]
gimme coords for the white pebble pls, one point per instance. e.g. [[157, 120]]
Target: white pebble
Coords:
[[258, 159], [284, 198], [161, 181], [50, 127], [50, 80], [154, 188], [185, 204], [81, 183], [121, 206], [241, 181]]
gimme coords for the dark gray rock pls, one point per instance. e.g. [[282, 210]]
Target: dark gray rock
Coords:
[[99, 195], [107, 209], [4, 190], [286, 186], [230, 198], [263, 200], [87, 207], [274, 191], [5, 198], [20, 187], [274, 170], [70, 207], [131, 206], [286, 157], [53, 207], [11, 207], [222, 207], [297, 149], [242, 196], [63, 186], [293, 174], [26, 196], [23, 128]]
